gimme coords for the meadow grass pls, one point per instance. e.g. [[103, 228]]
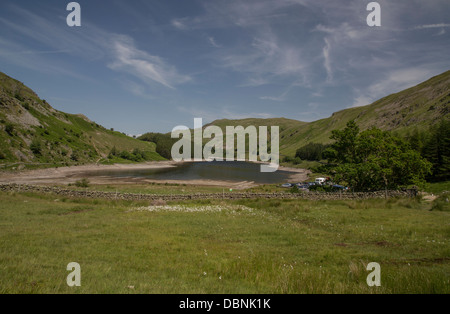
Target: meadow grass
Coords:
[[246, 246], [438, 187], [153, 188]]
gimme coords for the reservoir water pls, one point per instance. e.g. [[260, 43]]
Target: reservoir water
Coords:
[[235, 171]]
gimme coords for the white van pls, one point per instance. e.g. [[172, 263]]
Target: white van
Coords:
[[320, 181]]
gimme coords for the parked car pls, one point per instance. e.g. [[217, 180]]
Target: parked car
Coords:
[[303, 187], [287, 185], [340, 187], [320, 181]]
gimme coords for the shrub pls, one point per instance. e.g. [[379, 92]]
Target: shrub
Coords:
[[9, 128], [83, 183], [75, 156], [297, 161], [35, 147], [18, 97]]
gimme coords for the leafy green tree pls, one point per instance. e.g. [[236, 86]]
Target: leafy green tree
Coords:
[[164, 143], [437, 151], [344, 148], [311, 151], [113, 152], [417, 140], [375, 160]]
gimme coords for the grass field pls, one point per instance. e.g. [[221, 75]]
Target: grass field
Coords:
[[252, 246]]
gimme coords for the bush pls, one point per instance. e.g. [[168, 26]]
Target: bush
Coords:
[[19, 97], [35, 147], [75, 156], [322, 188], [297, 161], [126, 155], [83, 183], [9, 128]]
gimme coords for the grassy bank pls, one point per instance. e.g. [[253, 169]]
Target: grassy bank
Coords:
[[252, 246]]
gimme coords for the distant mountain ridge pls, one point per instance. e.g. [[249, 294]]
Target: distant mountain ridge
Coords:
[[418, 107], [32, 131]]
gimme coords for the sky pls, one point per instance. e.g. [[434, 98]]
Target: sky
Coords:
[[139, 66]]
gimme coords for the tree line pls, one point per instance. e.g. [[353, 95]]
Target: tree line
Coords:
[[374, 159], [164, 143]]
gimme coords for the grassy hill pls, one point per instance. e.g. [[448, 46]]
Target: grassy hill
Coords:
[[32, 132], [418, 107]]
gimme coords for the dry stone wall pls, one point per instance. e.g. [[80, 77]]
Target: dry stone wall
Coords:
[[203, 196]]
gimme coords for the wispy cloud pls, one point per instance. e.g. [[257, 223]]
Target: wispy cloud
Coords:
[[179, 24], [149, 68], [265, 60], [90, 43], [442, 32], [279, 98], [394, 81], [441, 25], [327, 60], [213, 42]]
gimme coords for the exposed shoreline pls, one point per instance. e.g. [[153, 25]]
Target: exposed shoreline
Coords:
[[66, 175]]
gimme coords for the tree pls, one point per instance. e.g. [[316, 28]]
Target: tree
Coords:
[[113, 152], [375, 160], [311, 151], [344, 148], [164, 143], [437, 151]]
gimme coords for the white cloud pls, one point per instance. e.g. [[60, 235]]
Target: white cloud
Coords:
[[90, 45], [265, 60], [178, 23], [327, 60], [140, 64], [441, 25], [393, 82], [213, 42], [362, 100], [279, 98]]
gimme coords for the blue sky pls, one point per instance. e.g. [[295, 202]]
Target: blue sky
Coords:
[[144, 65]]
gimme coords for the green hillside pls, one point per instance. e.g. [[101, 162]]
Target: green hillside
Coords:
[[34, 133], [418, 107]]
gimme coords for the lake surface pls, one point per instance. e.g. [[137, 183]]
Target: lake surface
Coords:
[[235, 171]]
